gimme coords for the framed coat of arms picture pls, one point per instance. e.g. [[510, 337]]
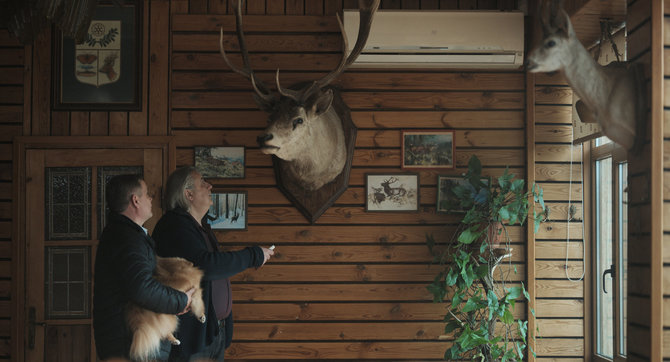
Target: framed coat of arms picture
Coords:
[[104, 71]]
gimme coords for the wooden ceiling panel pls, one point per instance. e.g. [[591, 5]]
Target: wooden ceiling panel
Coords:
[[585, 16]]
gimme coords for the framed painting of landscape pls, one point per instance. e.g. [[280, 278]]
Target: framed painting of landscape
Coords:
[[220, 162]]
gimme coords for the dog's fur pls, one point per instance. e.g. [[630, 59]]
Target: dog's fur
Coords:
[[149, 327]]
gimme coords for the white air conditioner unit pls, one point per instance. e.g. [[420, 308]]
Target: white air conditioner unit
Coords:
[[444, 39]]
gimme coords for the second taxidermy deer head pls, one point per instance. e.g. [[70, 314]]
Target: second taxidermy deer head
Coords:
[[611, 95], [305, 130]]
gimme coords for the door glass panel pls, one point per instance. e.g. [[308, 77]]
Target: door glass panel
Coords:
[[104, 175], [67, 278], [622, 276], [68, 205], [604, 301]]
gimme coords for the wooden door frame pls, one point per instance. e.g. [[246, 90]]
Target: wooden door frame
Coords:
[[21, 146]]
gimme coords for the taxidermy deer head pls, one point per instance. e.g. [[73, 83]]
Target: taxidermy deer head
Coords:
[[305, 130], [611, 95]]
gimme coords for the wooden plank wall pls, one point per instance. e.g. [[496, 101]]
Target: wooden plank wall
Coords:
[[558, 170], [353, 285], [12, 60], [666, 181], [639, 176]]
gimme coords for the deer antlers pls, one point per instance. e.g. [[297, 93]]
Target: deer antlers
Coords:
[[368, 8], [552, 18]]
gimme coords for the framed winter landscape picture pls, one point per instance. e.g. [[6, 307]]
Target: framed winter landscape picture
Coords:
[[220, 162], [229, 210], [427, 149], [392, 192]]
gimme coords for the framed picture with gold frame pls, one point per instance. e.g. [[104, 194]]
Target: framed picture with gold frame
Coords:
[[428, 149]]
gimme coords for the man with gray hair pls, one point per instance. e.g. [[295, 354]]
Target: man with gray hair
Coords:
[[124, 266], [184, 232]]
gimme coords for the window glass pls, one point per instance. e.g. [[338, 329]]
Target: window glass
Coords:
[[603, 247]]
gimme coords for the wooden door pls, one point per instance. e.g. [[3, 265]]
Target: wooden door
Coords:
[[64, 217]]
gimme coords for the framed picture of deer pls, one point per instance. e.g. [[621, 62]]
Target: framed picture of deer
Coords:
[[427, 149], [392, 192], [104, 72], [228, 211], [220, 162]]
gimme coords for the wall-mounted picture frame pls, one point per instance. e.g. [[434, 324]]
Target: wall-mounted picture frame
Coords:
[[229, 210], [220, 162], [105, 71], [428, 149], [447, 202], [392, 192]]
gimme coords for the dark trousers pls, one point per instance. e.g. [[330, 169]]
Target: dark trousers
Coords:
[[215, 352]]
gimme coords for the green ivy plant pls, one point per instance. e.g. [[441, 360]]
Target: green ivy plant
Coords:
[[481, 305]]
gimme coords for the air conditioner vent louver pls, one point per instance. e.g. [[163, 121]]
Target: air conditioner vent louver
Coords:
[[447, 39]]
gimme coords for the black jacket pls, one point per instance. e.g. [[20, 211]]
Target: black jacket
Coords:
[[178, 234], [124, 266]]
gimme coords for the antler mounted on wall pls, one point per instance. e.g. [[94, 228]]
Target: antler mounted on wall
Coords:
[[611, 95], [311, 135]]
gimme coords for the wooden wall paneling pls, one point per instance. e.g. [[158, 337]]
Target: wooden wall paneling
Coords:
[[79, 123], [274, 7], [11, 56], [638, 41], [259, 61], [159, 72], [554, 158], [410, 4], [487, 4], [467, 122], [358, 100], [448, 4], [659, 339], [181, 6], [12, 75], [385, 4], [41, 92], [215, 7], [197, 6], [294, 7], [210, 24], [358, 261], [348, 81], [256, 7], [640, 250], [138, 121], [118, 123], [279, 42], [314, 7], [99, 123], [60, 123], [351, 4], [531, 98], [430, 4], [467, 4], [12, 94], [332, 7], [507, 5]]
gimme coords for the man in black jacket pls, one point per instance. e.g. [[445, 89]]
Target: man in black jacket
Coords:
[[124, 267]]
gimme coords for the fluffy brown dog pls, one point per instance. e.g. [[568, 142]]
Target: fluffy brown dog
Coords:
[[150, 327]]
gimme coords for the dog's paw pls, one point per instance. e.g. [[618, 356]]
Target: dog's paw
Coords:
[[202, 319], [176, 342]]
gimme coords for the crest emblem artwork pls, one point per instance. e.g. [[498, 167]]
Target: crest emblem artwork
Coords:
[[104, 71], [97, 59]]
